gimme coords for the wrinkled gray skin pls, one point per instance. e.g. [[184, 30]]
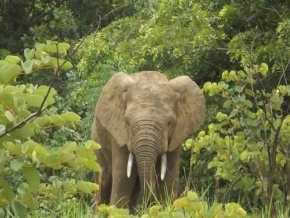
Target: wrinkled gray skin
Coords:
[[147, 115]]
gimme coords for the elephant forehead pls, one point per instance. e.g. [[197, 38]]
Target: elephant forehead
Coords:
[[151, 93]]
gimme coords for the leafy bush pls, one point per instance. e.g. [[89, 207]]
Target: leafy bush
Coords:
[[189, 206], [22, 115], [250, 138]]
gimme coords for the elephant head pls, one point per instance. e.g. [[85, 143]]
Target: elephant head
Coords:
[[151, 115]]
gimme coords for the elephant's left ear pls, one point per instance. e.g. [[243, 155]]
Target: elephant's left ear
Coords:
[[190, 110]]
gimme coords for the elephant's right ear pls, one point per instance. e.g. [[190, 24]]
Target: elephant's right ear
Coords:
[[111, 106]]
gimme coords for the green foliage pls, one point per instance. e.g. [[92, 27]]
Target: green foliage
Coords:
[[22, 116], [178, 38], [250, 137], [189, 206]]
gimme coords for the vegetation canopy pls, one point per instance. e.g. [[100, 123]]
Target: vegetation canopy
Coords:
[[57, 55]]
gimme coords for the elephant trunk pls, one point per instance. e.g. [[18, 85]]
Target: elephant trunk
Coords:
[[147, 143], [146, 168]]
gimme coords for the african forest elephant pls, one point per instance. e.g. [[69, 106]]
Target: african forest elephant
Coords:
[[141, 121]]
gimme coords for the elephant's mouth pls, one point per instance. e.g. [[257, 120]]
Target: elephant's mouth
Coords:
[[162, 170]]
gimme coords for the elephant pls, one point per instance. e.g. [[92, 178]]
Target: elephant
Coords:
[[141, 121]]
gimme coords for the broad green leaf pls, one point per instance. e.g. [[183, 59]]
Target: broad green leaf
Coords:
[[93, 186], [23, 188], [263, 69], [40, 46], [244, 155], [12, 59], [71, 117], [216, 210], [221, 116], [27, 66], [52, 161], [104, 209], [28, 146], [41, 121], [46, 60], [82, 151], [29, 53], [69, 147], [40, 55], [6, 190], [92, 145], [9, 72], [154, 210], [66, 65], [2, 63], [192, 196], [282, 89], [55, 48], [83, 187], [36, 64], [16, 164], [92, 165], [45, 89], [65, 45], [239, 88], [34, 100], [32, 176], [24, 132], [42, 151], [248, 103], [70, 186], [13, 149], [227, 103], [42, 91], [66, 157], [19, 209], [57, 119], [9, 116]]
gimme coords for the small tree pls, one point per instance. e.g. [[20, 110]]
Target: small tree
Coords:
[[250, 140], [22, 115]]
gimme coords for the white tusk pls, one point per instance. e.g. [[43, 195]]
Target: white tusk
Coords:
[[130, 164], [163, 166]]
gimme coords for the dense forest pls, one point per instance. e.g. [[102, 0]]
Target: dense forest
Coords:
[[55, 57]]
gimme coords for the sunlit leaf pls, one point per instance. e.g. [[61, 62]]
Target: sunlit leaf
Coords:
[[27, 66], [83, 187], [12, 59], [263, 69], [9, 116], [29, 53], [71, 117], [244, 155], [33, 100], [8, 72]]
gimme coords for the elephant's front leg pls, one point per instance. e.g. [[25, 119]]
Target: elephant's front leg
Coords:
[[103, 178], [122, 186], [168, 188]]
